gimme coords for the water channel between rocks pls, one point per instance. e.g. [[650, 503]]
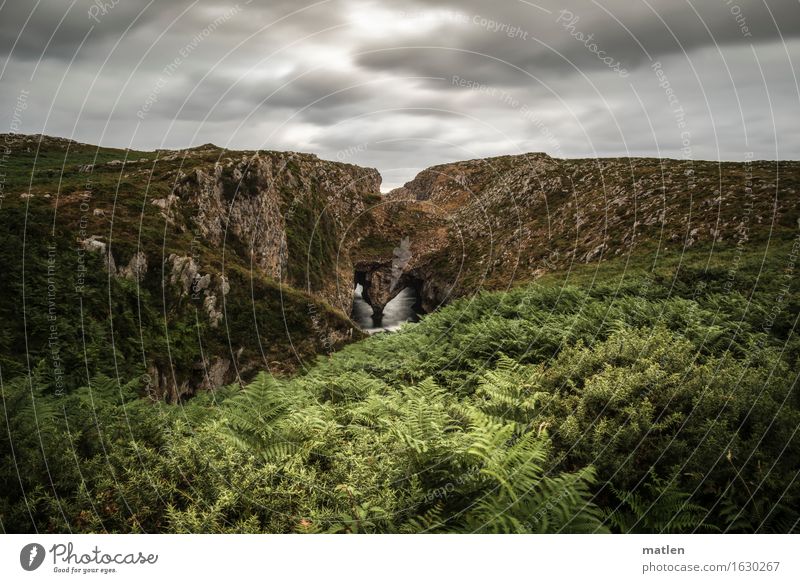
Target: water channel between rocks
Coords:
[[403, 308]]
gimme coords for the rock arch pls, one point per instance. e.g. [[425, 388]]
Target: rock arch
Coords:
[[381, 284]]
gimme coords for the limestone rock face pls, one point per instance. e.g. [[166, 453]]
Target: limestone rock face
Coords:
[[169, 206], [136, 267], [161, 385], [216, 373], [240, 198], [379, 286], [266, 201], [383, 280], [94, 244], [185, 275], [183, 271], [214, 314]]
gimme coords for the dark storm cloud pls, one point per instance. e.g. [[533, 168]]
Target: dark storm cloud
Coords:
[[320, 89], [500, 42], [404, 85], [60, 27], [317, 96], [56, 30]]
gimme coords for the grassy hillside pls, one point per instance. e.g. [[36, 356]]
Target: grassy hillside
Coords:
[[117, 262], [651, 396]]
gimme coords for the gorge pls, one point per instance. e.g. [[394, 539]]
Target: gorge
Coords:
[[246, 261]]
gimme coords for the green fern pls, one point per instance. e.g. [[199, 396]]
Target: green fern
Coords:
[[657, 507]]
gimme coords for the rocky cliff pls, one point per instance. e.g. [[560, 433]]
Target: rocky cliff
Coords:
[[218, 263], [490, 223], [287, 213]]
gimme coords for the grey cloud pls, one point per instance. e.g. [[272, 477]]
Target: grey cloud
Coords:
[[315, 96], [377, 88], [537, 41], [55, 30], [104, 20]]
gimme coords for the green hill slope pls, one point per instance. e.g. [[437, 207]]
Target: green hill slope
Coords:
[[641, 399], [189, 269]]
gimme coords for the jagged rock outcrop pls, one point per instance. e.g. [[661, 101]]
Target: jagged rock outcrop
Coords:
[[288, 216], [184, 272], [136, 268], [281, 208], [239, 197], [378, 285], [95, 244]]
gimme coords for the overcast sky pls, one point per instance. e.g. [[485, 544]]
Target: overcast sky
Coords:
[[404, 85]]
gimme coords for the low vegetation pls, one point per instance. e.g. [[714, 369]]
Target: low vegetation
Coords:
[[630, 399]]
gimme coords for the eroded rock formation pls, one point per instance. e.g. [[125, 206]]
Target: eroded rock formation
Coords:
[[283, 207]]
